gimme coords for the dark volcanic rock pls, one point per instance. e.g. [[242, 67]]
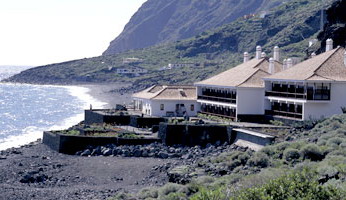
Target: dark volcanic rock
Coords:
[[86, 153]]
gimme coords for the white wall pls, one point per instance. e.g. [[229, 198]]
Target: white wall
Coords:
[[250, 101], [146, 106], [170, 106], [317, 110]]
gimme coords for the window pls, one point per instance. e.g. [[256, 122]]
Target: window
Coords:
[[162, 107], [192, 107]]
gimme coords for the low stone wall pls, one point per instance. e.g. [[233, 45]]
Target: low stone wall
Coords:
[[96, 117], [145, 122], [191, 135], [70, 144], [253, 118], [251, 139]]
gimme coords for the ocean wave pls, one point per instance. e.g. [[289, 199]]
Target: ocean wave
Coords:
[[31, 133]]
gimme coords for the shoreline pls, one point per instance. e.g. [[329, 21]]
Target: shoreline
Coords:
[[97, 95], [105, 93], [34, 171]]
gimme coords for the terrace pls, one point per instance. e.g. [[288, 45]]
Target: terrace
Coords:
[[218, 95], [219, 111], [311, 92], [294, 111]]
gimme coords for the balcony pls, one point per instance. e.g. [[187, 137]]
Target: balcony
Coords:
[[224, 112], [217, 99], [310, 94], [286, 94]]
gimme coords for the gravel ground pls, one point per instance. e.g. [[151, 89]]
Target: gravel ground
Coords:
[[35, 171]]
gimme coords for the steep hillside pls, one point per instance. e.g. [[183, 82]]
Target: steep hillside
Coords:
[[162, 21], [290, 26], [335, 27]]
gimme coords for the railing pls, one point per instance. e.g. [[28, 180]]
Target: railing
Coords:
[[317, 95], [219, 115], [218, 99], [286, 94], [294, 115]]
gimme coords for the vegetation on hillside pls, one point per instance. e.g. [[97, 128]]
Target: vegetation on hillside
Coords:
[[290, 26], [163, 21], [311, 165]]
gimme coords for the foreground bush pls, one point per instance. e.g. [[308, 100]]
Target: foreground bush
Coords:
[[312, 152], [300, 185]]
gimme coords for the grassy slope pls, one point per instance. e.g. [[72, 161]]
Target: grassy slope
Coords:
[[296, 166], [219, 49]]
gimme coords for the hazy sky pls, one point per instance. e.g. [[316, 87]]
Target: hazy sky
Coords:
[[38, 32]]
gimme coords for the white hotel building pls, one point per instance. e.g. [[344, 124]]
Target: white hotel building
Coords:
[[313, 89], [258, 88], [238, 93]]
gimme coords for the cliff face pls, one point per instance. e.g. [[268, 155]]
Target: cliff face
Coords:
[[335, 27], [162, 21]]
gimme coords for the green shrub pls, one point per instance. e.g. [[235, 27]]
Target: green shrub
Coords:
[[169, 188], [175, 196], [335, 141], [312, 152], [276, 122], [301, 185], [148, 193], [291, 154], [205, 194], [260, 159]]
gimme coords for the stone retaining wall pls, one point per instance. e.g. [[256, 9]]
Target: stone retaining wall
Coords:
[[70, 144], [251, 139], [97, 117], [145, 122], [191, 135]]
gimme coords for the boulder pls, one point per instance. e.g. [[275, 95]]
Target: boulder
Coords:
[[87, 152], [107, 152], [137, 153], [163, 155]]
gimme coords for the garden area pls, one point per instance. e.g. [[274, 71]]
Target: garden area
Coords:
[[100, 130]]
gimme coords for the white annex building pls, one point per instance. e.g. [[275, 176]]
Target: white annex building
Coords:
[[310, 90], [162, 100], [238, 93]]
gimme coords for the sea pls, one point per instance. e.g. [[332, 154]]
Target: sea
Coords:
[[28, 110]]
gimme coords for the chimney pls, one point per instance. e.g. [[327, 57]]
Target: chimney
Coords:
[[313, 54], [289, 63], [258, 52], [246, 57], [271, 66], [329, 44], [276, 53], [284, 66], [263, 54]]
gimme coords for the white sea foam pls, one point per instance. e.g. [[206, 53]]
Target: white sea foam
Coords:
[[32, 133]]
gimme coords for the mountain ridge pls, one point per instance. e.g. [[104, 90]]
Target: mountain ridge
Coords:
[[212, 51], [163, 21]]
